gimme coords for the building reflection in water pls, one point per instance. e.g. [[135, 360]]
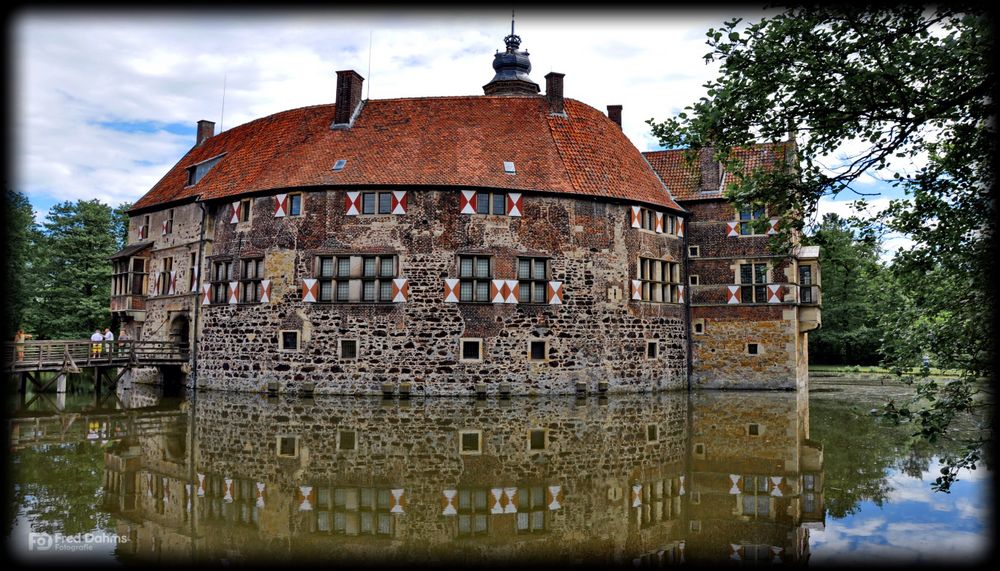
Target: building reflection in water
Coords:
[[649, 480]]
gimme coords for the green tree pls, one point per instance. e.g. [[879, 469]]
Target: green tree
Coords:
[[906, 84], [852, 288], [121, 224], [74, 271], [22, 237]]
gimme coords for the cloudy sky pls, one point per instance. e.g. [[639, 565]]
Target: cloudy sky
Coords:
[[106, 102]]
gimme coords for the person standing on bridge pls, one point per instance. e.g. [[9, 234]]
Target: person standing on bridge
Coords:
[[96, 341], [19, 339], [109, 340]]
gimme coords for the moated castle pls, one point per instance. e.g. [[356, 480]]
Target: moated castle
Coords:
[[512, 242]]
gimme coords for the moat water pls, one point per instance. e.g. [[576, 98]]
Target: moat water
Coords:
[[756, 478]]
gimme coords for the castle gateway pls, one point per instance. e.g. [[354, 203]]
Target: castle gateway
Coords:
[[510, 242]]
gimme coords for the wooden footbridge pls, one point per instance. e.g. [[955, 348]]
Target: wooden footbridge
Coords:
[[30, 358]]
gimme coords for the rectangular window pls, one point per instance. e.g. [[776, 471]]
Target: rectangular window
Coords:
[[747, 218], [251, 274], [694, 251], [348, 349], [491, 203], [753, 349], [537, 350], [537, 439], [472, 349], [470, 442], [356, 279], [288, 340], [193, 272], [532, 275], [693, 279], [474, 275], [164, 279], [699, 327], [145, 226], [347, 440], [368, 202], [384, 203], [805, 284], [652, 432], [660, 279], [169, 226], [245, 210], [753, 277], [288, 446], [222, 273], [652, 349], [295, 204]]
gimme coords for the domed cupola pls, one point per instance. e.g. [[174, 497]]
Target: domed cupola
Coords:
[[512, 68]]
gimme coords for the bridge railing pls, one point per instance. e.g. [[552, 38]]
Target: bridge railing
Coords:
[[50, 355]]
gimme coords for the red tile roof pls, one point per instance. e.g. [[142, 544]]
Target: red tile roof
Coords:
[[683, 178], [431, 141]]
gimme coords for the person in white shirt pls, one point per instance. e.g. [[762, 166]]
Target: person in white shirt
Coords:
[[96, 341], [109, 338]]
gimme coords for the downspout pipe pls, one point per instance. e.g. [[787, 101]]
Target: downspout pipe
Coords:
[[197, 297], [687, 302]]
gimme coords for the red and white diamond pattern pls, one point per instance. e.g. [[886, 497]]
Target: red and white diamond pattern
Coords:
[[260, 494], [636, 290], [636, 218], [400, 290], [733, 294], [636, 495], [265, 291], [172, 286], [774, 294], [680, 227], [450, 290], [504, 291], [280, 205], [399, 202], [468, 204], [234, 218], [228, 496], [397, 499], [449, 502], [555, 293], [732, 229], [659, 223], [309, 290], [554, 497], [680, 294], [352, 203], [194, 282], [201, 485], [737, 486], [206, 291], [774, 226], [234, 292], [514, 204], [306, 498]]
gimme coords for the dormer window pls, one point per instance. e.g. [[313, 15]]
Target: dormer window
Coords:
[[508, 167], [198, 171], [340, 164]]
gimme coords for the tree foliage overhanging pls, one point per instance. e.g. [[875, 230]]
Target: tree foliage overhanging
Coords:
[[909, 90]]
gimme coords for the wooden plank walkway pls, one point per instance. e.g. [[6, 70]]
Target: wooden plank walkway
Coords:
[[73, 354]]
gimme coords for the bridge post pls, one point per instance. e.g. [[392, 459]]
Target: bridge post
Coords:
[[61, 383]]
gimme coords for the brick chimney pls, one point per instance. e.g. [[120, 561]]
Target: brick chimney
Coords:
[[615, 114], [554, 91], [348, 95], [710, 175], [206, 129]]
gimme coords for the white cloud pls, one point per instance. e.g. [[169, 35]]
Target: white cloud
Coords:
[[75, 72]]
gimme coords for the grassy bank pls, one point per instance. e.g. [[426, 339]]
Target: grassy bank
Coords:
[[870, 371]]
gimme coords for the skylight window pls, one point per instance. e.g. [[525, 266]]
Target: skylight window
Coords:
[[340, 164], [508, 167], [198, 171]]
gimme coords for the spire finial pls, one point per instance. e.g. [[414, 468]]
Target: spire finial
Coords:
[[513, 41]]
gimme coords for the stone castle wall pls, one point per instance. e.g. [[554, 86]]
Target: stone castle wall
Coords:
[[594, 335]]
